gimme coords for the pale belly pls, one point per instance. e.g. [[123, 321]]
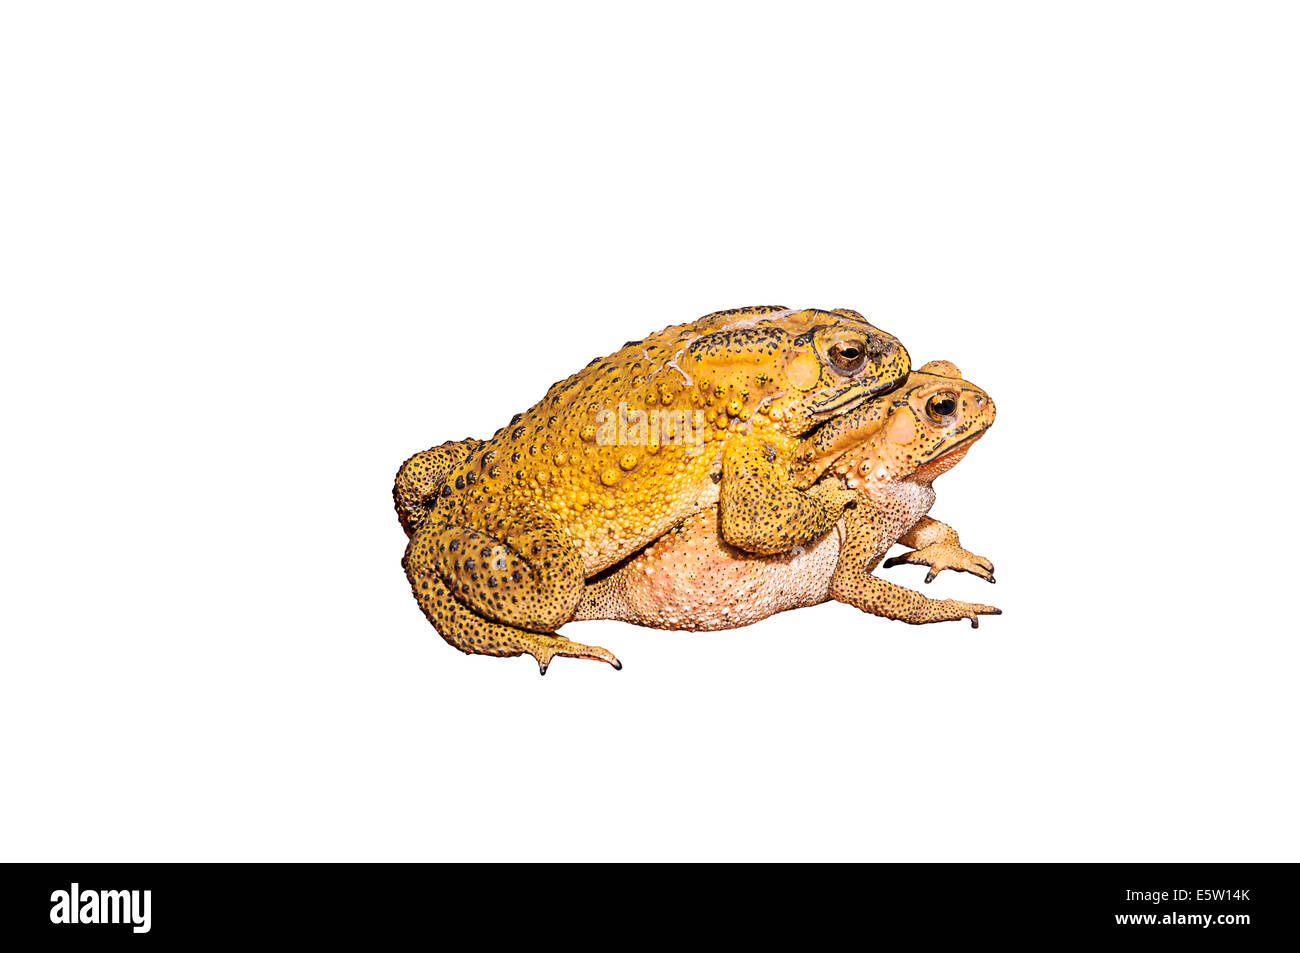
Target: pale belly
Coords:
[[691, 579]]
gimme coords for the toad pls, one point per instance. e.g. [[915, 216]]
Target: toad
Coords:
[[504, 532]]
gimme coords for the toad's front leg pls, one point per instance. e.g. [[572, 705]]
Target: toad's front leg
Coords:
[[883, 598], [853, 583], [936, 545], [761, 510]]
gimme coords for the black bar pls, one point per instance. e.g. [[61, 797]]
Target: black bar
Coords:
[[1228, 904]]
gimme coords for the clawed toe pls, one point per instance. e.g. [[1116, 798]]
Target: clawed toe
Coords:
[[568, 649]]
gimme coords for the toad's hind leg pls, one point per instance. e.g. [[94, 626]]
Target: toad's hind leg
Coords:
[[521, 570], [466, 630], [421, 478]]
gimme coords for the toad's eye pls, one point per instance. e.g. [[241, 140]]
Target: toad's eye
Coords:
[[942, 405], [847, 356]]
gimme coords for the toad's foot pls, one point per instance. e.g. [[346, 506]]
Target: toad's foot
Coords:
[[937, 545], [952, 610], [880, 597], [835, 496], [556, 645], [940, 557]]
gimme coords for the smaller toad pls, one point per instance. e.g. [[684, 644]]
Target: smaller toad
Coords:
[[889, 453]]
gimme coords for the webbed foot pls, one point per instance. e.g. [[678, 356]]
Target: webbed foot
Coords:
[[941, 556]]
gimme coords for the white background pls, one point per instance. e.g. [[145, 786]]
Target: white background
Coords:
[[254, 255]]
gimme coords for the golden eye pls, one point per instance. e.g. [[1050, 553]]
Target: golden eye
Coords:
[[848, 356], [941, 406]]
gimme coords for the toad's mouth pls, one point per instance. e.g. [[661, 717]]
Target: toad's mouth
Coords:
[[842, 400], [961, 445], [853, 395]]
